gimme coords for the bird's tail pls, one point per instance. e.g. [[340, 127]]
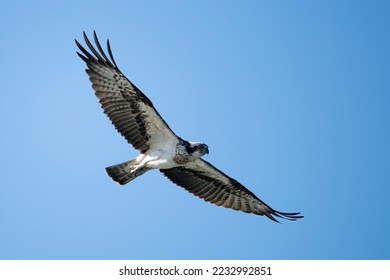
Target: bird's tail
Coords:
[[125, 172]]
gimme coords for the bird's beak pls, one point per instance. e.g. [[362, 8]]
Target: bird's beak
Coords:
[[207, 150]]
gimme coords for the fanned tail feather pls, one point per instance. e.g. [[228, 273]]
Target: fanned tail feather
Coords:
[[125, 172]]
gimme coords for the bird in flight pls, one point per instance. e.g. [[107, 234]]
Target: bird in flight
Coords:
[[135, 117]]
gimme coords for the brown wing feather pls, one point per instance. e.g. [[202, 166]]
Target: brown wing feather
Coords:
[[207, 182], [130, 111]]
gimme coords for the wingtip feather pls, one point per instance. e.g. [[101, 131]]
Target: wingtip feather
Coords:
[[97, 54], [288, 216]]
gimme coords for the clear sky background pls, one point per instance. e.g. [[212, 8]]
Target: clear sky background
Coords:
[[292, 97]]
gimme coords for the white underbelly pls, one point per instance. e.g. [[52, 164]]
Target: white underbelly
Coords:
[[157, 160]]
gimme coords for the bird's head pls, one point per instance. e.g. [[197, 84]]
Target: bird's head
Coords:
[[198, 149]]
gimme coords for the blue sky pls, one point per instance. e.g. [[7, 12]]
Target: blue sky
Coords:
[[292, 98]]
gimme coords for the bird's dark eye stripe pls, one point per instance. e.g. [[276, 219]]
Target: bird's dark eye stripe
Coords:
[[190, 149]]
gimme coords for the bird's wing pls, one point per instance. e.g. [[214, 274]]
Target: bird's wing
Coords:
[[207, 182], [130, 111]]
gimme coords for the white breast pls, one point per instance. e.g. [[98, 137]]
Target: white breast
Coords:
[[161, 157]]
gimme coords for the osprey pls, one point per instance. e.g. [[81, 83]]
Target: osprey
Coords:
[[134, 116]]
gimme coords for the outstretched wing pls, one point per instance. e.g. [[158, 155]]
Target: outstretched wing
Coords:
[[207, 182], [130, 111]]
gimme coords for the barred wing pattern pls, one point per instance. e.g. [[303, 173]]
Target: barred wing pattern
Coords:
[[130, 111], [207, 182]]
